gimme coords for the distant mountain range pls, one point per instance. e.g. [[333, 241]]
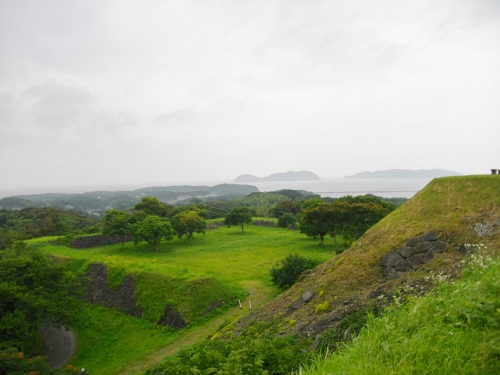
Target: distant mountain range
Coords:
[[406, 173], [286, 176], [99, 201]]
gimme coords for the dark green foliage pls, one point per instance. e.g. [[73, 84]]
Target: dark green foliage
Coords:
[[253, 354], [118, 224], [152, 206], [239, 216], [284, 207], [287, 271], [186, 223], [45, 221], [35, 289], [285, 220], [14, 362], [153, 229]]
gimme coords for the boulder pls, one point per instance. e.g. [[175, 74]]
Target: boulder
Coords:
[[406, 251], [430, 236], [429, 255], [298, 304], [404, 266], [439, 246], [413, 241], [422, 247], [391, 259], [307, 296], [414, 261]]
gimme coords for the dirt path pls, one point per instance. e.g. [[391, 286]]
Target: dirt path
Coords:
[[259, 295]]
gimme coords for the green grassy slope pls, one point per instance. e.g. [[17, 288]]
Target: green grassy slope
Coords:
[[453, 205], [218, 265], [454, 330]]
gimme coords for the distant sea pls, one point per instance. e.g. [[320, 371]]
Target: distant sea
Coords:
[[328, 187], [339, 187]]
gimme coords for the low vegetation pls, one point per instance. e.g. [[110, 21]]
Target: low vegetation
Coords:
[[286, 272], [453, 330]]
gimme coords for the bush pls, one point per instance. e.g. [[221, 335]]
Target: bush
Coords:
[[287, 271], [285, 220]]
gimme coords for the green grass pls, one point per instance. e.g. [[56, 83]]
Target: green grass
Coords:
[[108, 340], [454, 330], [225, 253], [189, 275]]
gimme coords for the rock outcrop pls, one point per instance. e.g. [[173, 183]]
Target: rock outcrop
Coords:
[[99, 292]]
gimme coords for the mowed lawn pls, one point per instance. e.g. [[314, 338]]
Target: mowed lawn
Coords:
[[224, 253]]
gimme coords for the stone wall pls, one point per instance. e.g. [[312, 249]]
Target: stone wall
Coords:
[[94, 241], [417, 251], [99, 292]]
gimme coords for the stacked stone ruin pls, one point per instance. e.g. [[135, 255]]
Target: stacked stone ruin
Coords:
[[417, 251]]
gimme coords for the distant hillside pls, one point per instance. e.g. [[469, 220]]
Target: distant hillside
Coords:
[[98, 201], [406, 173], [286, 176]]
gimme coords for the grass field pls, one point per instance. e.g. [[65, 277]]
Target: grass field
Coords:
[[225, 258], [225, 253]]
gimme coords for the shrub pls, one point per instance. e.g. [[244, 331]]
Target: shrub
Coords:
[[322, 307], [287, 271], [285, 220]]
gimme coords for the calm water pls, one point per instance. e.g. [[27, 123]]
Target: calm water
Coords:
[[339, 187], [328, 187]]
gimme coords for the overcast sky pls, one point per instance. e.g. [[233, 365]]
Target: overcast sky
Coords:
[[110, 93]]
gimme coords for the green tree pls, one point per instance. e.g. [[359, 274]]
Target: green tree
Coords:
[[117, 223], [286, 220], [360, 217], [188, 222], [287, 271], [153, 230], [239, 216], [35, 290], [283, 207], [151, 206], [323, 219]]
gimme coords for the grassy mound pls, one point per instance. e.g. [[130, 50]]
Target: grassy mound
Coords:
[[459, 207], [454, 330]]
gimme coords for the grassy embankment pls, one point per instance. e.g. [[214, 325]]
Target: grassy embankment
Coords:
[[217, 265], [453, 330]]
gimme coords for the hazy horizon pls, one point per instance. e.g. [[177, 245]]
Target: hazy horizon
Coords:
[[157, 93]]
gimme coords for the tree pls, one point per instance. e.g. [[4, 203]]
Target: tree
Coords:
[[188, 222], [283, 207], [35, 290], [117, 223], [287, 271], [286, 220], [239, 216], [360, 217], [151, 206], [323, 219], [153, 230]]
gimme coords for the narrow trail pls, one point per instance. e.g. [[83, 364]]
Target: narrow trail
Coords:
[[259, 295]]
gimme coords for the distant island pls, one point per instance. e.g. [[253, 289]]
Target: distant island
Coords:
[[286, 176], [406, 173]]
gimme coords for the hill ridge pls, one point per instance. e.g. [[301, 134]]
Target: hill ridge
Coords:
[[281, 176]]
